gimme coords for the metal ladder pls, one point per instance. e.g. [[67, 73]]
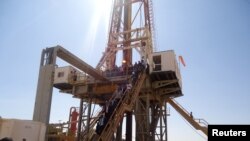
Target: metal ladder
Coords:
[[126, 103], [198, 124], [151, 17]]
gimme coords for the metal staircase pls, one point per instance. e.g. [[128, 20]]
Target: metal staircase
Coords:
[[91, 134], [126, 103], [87, 135], [199, 124]]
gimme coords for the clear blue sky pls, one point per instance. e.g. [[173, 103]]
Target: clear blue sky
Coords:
[[213, 36]]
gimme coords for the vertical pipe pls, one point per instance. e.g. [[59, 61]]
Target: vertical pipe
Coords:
[[147, 135], [80, 121], [136, 120], [161, 116], [127, 54], [119, 132], [129, 125], [88, 116], [166, 124]]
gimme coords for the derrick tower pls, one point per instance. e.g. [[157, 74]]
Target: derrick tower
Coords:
[[132, 32], [131, 27], [143, 105]]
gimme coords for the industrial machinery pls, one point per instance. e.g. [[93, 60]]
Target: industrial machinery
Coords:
[[124, 89]]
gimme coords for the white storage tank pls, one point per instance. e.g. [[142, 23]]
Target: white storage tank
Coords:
[[20, 130]]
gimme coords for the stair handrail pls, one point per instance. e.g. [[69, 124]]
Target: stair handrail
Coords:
[[122, 104]]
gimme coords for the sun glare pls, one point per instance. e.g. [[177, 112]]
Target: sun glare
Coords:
[[103, 10], [100, 17]]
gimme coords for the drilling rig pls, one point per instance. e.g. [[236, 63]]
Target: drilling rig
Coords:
[[130, 92]]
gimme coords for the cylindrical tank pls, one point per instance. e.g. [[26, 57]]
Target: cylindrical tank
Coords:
[[73, 120]]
